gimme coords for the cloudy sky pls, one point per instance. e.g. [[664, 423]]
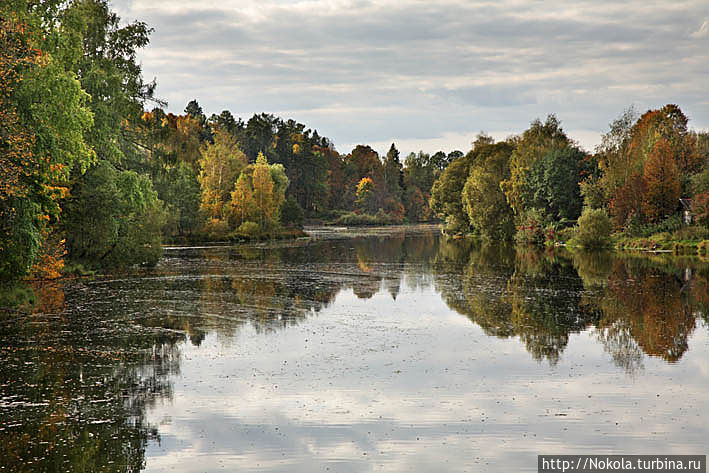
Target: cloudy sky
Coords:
[[429, 74]]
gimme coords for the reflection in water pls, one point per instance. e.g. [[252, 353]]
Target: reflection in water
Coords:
[[80, 375], [76, 384]]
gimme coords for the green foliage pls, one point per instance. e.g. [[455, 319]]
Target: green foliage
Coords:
[[44, 120], [20, 237], [178, 187], [535, 143], [593, 193], [114, 219], [483, 200], [635, 228], [291, 214], [594, 229], [532, 227], [691, 233], [419, 175], [566, 234], [52, 104], [552, 183], [700, 181], [446, 195], [354, 219], [249, 230]]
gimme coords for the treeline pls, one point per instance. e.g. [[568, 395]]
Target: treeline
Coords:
[[87, 175], [540, 187], [202, 170], [93, 170]]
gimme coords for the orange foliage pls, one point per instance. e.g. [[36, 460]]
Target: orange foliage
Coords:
[[662, 182], [628, 200], [50, 261], [17, 163]]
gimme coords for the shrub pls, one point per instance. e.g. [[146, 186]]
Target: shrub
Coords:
[[381, 218], [594, 229], [248, 229], [635, 228]]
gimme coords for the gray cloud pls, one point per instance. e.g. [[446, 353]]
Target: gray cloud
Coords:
[[372, 71]]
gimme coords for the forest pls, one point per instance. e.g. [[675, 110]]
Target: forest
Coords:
[[96, 174]]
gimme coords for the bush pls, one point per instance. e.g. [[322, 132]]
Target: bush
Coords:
[[381, 218], [594, 229], [635, 228], [248, 230]]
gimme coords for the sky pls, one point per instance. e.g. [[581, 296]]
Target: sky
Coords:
[[429, 75]]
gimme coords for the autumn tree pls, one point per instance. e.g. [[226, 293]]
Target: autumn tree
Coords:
[[366, 198], [263, 191], [220, 164], [259, 194], [45, 121], [623, 165], [242, 206], [662, 182]]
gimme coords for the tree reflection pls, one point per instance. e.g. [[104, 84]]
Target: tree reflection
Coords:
[[645, 301], [76, 385], [637, 306], [80, 372]]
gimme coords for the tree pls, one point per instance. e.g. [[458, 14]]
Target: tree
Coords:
[[662, 182], [485, 204], [623, 165], [393, 174], [418, 174], [225, 121], [539, 139], [447, 191], [243, 206], [220, 164], [194, 110], [552, 183], [108, 70], [366, 198], [45, 121], [291, 213], [178, 187], [594, 229], [115, 218]]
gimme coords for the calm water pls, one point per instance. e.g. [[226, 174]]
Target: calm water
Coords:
[[382, 350]]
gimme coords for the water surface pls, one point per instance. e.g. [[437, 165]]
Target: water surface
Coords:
[[376, 350]]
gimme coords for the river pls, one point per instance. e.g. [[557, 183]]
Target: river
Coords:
[[372, 350]]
